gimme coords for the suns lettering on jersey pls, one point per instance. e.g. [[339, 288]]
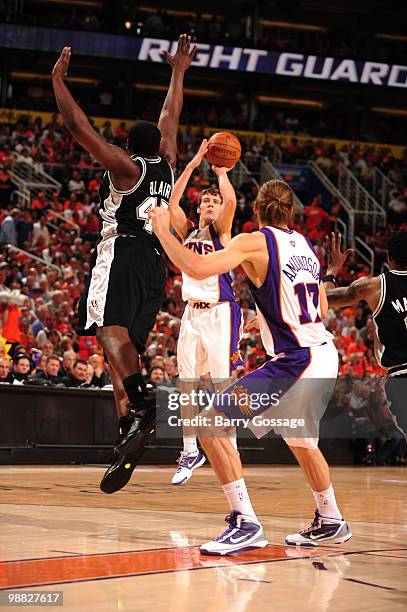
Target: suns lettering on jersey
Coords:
[[202, 248], [216, 288]]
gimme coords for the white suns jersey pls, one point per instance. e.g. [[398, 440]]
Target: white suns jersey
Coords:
[[213, 289], [288, 302]]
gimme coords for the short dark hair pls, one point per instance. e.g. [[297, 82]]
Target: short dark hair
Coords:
[[213, 191], [144, 139], [397, 248], [82, 361], [21, 356], [52, 358], [156, 367]]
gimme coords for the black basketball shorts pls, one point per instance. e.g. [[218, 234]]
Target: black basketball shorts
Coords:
[[126, 287], [396, 394]]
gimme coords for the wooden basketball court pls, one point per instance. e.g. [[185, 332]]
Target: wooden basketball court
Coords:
[[138, 549]]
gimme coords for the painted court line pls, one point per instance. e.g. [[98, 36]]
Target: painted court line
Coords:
[[114, 565]]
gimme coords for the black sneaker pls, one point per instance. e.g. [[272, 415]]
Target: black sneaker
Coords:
[[130, 447], [323, 530], [118, 474]]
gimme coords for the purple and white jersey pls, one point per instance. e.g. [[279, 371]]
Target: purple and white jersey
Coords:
[[213, 289], [288, 304]]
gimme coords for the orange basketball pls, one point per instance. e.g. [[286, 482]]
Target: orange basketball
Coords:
[[224, 150]]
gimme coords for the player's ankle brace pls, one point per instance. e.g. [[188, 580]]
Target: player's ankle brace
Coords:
[[135, 388]]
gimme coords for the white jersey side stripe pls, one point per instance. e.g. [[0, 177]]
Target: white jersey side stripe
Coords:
[[141, 179], [99, 283]]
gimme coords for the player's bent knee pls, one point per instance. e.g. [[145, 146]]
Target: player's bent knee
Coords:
[[311, 443]]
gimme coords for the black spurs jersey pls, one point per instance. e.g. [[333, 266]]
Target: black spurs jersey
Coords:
[[390, 318], [126, 212]]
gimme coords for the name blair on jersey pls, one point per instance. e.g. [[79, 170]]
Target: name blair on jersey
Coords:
[[160, 188]]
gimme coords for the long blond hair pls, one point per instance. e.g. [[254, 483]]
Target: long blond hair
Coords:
[[275, 202]]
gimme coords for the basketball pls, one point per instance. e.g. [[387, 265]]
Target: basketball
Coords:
[[224, 150]]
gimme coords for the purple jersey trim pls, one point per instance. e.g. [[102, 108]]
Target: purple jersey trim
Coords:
[[276, 376], [313, 250], [226, 293], [268, 300], [236, 360], [287, 230]]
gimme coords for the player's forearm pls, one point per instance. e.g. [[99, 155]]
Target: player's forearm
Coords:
[[73, 116], [227, 191], [180, 187], [183, 258], [341, 296], [172, 107]]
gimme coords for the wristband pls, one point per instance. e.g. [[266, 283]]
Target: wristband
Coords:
[[329, 278]]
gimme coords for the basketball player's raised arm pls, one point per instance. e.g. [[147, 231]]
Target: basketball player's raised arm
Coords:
[[238, 250], [365, 288], [179, 220], [113, 158], [172, 107], [224, 221]]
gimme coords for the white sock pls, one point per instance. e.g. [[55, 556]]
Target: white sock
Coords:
[[326, 503], [238, 497], [190, 445], [233, 439]]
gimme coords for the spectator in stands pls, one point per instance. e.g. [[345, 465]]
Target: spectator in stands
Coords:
[[6, 375], [314, 215], [397, 209], [76, 183], [6, 187], [41, 235], [156, 376], [51, 370], [40, 322], [94, 183], [8, 230], [24, 227], [22, 367], [171, 369], [40, 203], [78, 375], [55, 304], [100, 376], [68, 359]]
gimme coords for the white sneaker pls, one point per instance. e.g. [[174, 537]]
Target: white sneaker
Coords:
[[187, 463], [321, 531], [244, 533]]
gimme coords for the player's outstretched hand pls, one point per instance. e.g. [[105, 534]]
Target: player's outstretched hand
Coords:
[[160, 220], [61, 67], [196, 161], [252, 326], [336, 259], [184, 54]]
